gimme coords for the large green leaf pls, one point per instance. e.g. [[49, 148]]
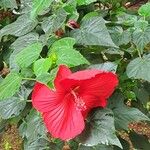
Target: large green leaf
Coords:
[[39, 6], [20, 44], [34, 132], [10, 85], [141, 38], [139, 68], [21, 26], [107, 66], [13, 106], [32, 128], [100, 129], [93, 32], [85, 2], [124, 114], [66, 54], [8, 4], [28, 55], [54, 22]]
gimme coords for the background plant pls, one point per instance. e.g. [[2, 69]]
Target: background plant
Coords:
[[36, 38]]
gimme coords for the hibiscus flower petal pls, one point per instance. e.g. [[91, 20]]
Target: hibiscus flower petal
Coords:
[[43, 98], [102, 85], [92, 102], [62, 73], [65, 121]]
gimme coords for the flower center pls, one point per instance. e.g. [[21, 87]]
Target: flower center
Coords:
[[79, 102]]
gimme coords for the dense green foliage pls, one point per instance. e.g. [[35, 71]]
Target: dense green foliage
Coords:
[[36, 38]]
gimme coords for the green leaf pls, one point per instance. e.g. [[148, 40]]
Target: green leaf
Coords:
[[66, 54], [39, 6], [85, 2], [54, 22], [100, 129], [119, 36], [141, 38], [10, 85], [124, 114], [98, 147], [93, 32], [8, 4], [20, 44], [21, 26], [32, 128], [28, 55], [139, 68], [144, 10], [107, 66], [13, 106], [42, 66]]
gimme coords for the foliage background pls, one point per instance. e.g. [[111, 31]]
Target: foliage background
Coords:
[[36, 38]]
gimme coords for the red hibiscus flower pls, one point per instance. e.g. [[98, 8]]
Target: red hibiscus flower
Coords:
[[65, 108]]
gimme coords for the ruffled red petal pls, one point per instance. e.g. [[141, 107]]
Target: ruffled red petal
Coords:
[[102, 85], [43, 98], [62, 73], [65, 121]]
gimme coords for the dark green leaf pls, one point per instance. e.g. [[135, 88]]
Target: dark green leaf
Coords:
[[14, 105], [100, 129], [28, 55], [124, 114], [107, 66], [20, 44], [10, 85], [21, 26], [8, 4], [140, 142], [93, 32], [141, 38], [139, 68], [39, 6], [54, 22]]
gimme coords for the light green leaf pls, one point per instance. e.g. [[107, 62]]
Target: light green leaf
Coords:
[[28, 55], [54, 22], [20, 44], [85, 2], [139, 68], [144, 10], [10, 85], [66, 54], [21, 26], [124, 114], [39, 6], [141, 38], [100, 129], [93, 32], [8, 4], [42, 66], [13, 106]]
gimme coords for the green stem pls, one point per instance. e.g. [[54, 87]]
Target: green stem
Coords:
[[139, 53], [31, 79], [29, 101]]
